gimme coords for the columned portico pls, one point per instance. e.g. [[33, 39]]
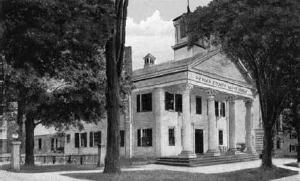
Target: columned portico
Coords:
[[248, 126], [232, 125], [187, 146], [212, 125]]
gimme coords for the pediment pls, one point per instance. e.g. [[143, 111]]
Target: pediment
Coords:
[[220, 66]]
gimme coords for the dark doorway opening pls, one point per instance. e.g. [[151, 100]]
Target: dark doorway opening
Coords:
[[198, 141]]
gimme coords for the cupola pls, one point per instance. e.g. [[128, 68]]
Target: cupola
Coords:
[[149, 60]]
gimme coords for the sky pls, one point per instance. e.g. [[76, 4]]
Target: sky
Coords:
[[149, 27]]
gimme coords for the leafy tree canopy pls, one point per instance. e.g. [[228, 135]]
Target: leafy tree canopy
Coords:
[[264, 35]]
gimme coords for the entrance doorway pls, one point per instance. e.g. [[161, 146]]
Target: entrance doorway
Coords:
[[198, 141]]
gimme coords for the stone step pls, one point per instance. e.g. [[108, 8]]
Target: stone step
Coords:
[[207, 160], [204, 159]]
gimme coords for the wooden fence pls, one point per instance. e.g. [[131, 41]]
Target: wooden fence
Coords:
[[58, 159]]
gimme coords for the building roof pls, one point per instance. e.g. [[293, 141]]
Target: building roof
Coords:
[[212, 64]]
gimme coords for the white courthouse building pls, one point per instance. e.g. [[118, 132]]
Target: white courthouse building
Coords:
[[198, 103]]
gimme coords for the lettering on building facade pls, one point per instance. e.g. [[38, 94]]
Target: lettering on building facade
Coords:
[[221, 84]]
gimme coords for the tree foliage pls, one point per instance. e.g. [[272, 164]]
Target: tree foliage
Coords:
[[265, 36], [54, 49]]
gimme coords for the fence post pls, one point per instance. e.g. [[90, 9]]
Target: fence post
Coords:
[[99, 155]]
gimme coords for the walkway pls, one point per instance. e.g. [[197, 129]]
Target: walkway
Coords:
[[56, 176]]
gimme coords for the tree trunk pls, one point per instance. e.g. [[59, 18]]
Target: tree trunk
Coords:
[[267, 148], [29, 125], [21, 131], [112, 159], [297, 117]]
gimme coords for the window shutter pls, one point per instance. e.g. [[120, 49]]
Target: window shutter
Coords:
[[178, 102], [217, 108], [76, 140], [150, 137], [52, 143], [223, 109], [91, 139], [99, 137], [138, 103], [198, 105], [139, 137]]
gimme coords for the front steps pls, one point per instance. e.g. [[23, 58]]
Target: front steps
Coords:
[[205, 160]]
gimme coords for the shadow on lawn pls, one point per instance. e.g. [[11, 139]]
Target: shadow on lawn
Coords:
[[294, 164], [155, 175]]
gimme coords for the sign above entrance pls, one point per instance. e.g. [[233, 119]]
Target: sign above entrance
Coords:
[[221, 84]]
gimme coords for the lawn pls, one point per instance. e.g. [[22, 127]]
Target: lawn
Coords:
[[161, 175]]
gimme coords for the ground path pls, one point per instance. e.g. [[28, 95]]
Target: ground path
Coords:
[[57, 176]]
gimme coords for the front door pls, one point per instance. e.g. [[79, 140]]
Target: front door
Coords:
[[198, 141]]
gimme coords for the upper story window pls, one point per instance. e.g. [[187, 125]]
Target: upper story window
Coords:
[[220, 109], [173, 102], [198, 105], [144, 102]]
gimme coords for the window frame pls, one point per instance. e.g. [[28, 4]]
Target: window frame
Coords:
[[68, 138], [141, 104], [173, 102], [144, 137]]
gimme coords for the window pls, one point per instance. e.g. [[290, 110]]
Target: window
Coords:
[[219, 109], [173, 102], [68, 138], [40, 143], [220, 137], [80, 140], [293, 148], [122, 138], [144, 102], [83, 140], [278, 144], [293, 135], [198, 105], [144, 137], [171, 137], [95, 138]]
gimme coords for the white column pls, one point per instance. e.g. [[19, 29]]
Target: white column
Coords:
[[158, 108], [249, 126], [187, 150], [232, 139], [212, 126]]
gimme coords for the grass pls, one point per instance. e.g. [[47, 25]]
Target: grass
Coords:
[[161, 175]]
